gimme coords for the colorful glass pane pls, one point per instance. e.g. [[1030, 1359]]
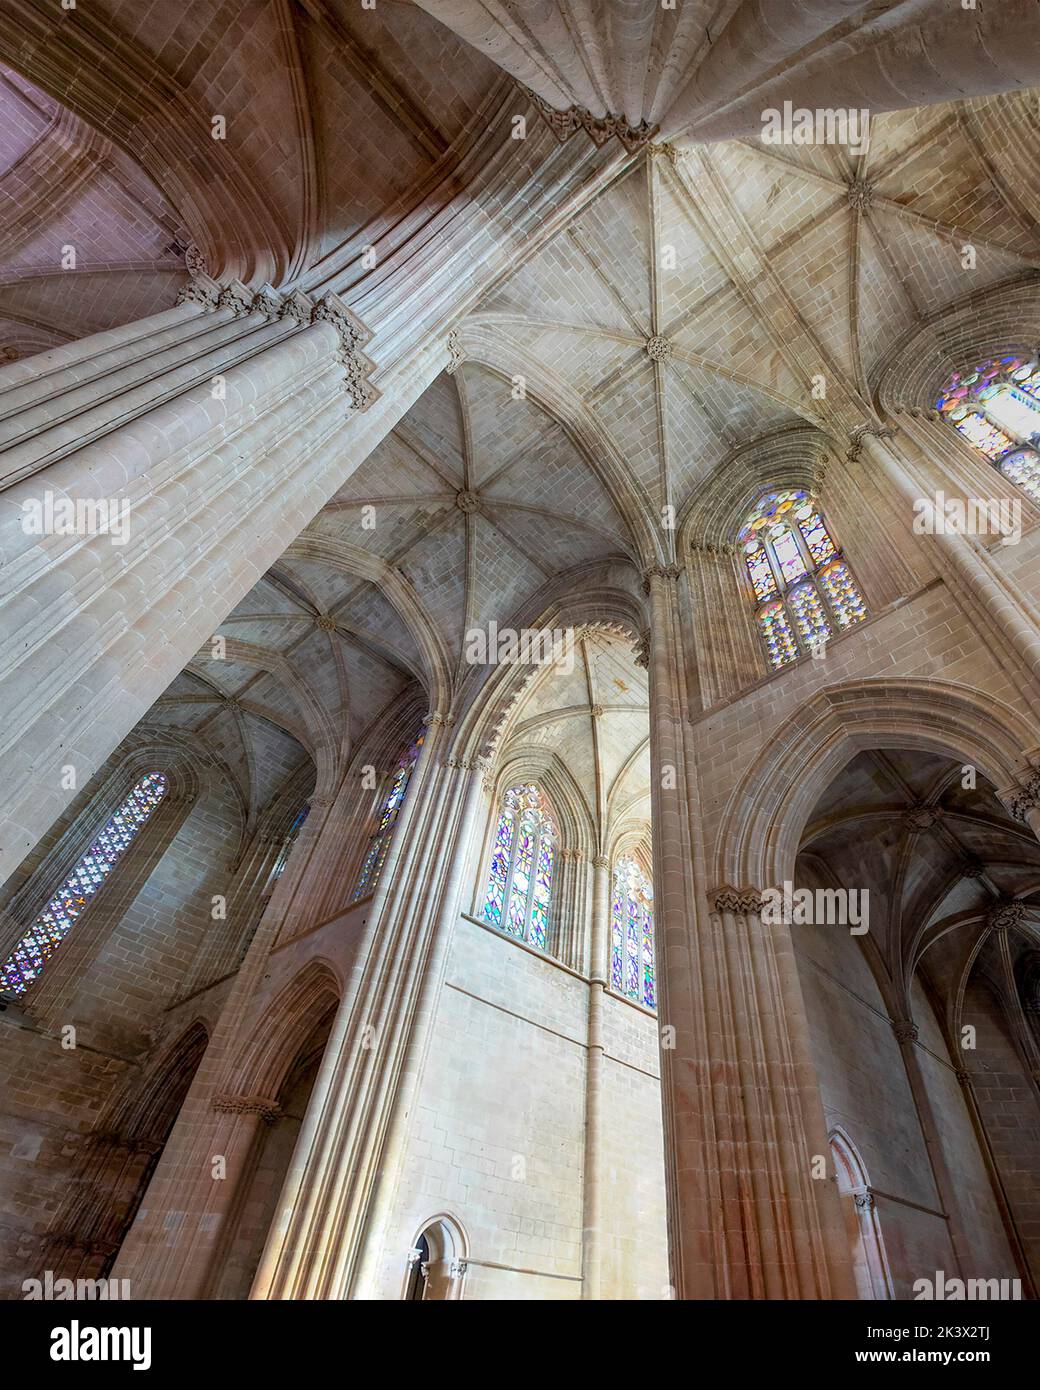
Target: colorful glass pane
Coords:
[[540, 894], [788, 555], [1023, 468], [845, 597], [632, 933], [516, 917], [816, 537], [761, 574], [289, 841], [494, 898], [519, 886], [779, 637], [46, 934], [977, 430], [1012, 410], [380, 841], [809, 614]]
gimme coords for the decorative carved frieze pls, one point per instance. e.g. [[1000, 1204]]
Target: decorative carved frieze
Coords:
[[297, 306], [563, 124], [266, 301], [739, 901], [235, 296], [268, 1110], [200, 289], [195, 261], [353, 335]]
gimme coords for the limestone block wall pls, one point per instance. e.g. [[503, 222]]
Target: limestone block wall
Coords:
[[497, 1138], [989, 1251], [631, 1161], [866, 1094], [926, 637], [1005, 1097], [135, 952]]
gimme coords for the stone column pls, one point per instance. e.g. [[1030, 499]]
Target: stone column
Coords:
[[216, 432], [742, 1114], [599, 965], [327, 1238]]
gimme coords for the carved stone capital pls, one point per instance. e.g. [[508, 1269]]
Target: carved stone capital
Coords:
[[861, 432], [643, 651], [739, 901], [660, 572], [457, 1269], [200, 289], [297, 306], [905, 1030], [1024, 798], [266, 301], [563, 124], [435, 720], [600, 861], [456, 353], [237, 297], [864, 1201], [268, 1110]]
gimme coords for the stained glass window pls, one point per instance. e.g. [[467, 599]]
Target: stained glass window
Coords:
[[632, 934], [523, 856], [996, 407], [56, 920], [803, 588], [379, 842], [288, 842]]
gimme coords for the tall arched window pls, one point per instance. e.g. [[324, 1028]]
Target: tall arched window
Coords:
[[632, 933], [996, 407], [380, 841], [54, 923], [288, 842], [519, 887], [804, 589]]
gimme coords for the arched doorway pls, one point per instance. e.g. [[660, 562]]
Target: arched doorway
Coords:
[[436, 1262], [266, 1166], [870, 1263]]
